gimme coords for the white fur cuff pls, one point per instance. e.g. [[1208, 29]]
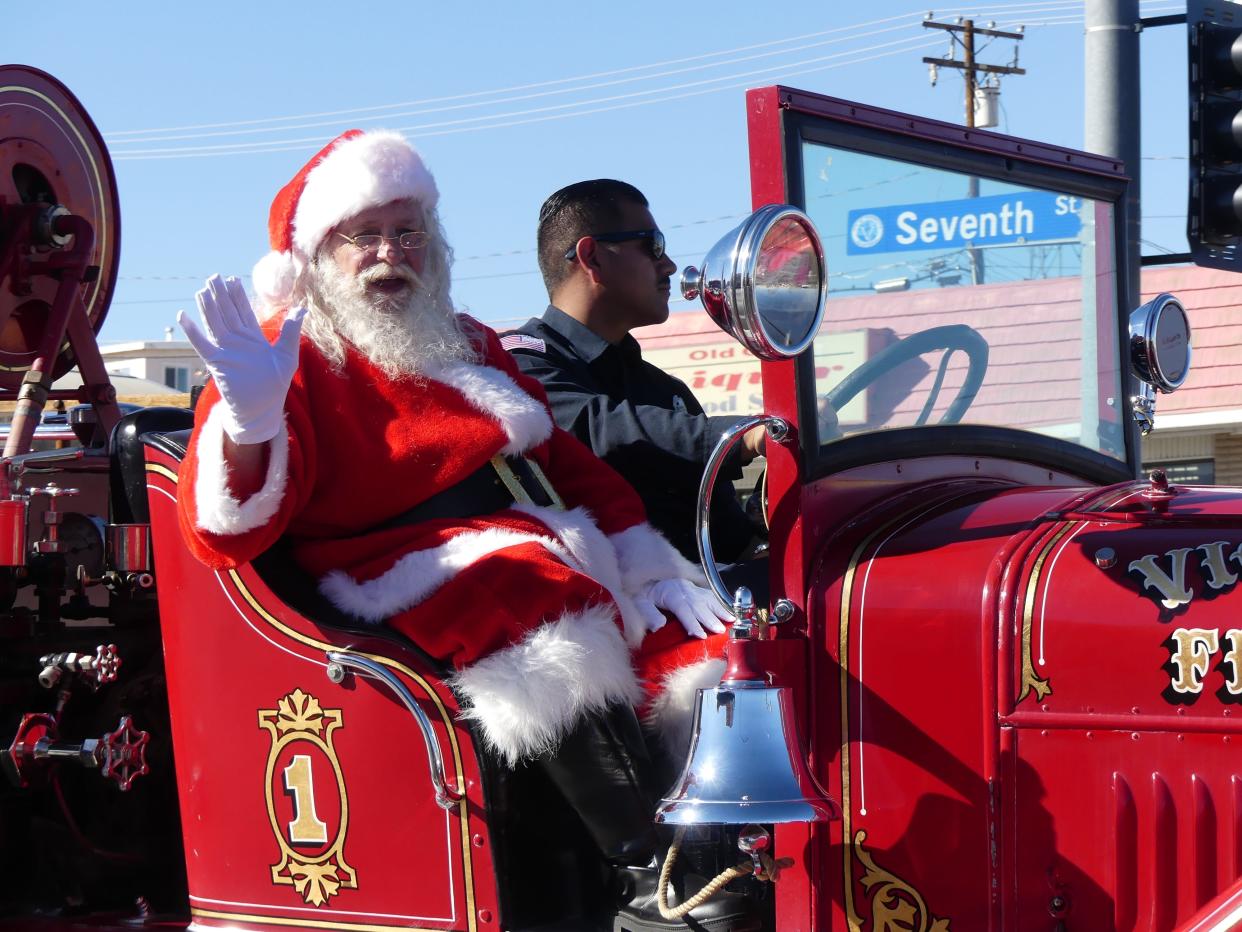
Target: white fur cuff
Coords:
[[418, 574], [525, 698], [218, 512], [594, 555], [644, 556], [671, 712]]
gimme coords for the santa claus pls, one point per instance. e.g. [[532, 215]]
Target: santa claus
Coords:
[[410, 466]]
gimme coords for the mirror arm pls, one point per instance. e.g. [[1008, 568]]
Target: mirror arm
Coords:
[[778, 430], [1143, 407]]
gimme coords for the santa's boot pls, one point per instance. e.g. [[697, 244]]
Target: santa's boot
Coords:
[[604, 771]]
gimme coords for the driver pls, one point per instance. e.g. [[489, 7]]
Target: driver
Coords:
[[418, 475], [604, 265]]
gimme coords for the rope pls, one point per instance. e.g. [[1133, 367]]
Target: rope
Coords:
[[770, 872]]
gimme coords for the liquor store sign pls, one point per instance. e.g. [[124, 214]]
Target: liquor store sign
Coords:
[[1000, 219], [726, 378]]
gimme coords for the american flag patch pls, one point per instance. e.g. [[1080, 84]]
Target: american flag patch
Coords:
[[514, 341]]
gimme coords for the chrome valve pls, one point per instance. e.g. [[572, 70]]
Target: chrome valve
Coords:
[[123, 755], [97, 668], [52, 517], [119, 755]]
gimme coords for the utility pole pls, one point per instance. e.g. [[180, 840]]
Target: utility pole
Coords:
[[1113, 108], [970, 66]]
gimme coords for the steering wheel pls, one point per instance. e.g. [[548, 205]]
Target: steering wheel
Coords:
[[950, 338]]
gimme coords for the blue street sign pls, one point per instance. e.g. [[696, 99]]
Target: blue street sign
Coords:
[[1019, 217]]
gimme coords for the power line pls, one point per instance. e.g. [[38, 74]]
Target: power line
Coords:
[[428, 130], [1005, 5], [489, 121], [510, 99]]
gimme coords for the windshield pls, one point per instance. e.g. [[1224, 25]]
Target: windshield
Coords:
[[956, 299]]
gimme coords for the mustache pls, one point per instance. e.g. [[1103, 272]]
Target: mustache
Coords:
[[381, 272]]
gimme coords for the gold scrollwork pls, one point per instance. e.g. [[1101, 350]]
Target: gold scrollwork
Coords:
[[1030, 679], [298, 717], [895, 905]]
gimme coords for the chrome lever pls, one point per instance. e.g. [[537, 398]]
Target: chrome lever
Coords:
[[338, 663]]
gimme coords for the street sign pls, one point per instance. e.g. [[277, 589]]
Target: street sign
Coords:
[[1019, 217]]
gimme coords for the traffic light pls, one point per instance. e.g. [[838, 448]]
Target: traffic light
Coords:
[[1214, 211]]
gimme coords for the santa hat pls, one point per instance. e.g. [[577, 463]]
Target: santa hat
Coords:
[[355, 171]]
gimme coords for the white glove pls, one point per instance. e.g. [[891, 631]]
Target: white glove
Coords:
[[252, 375], [698, 610]]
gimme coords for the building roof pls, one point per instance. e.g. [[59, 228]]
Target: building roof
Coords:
[[146, 348], [127, 386]]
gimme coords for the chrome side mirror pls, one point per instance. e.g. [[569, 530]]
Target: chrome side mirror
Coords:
[[765, 282], [1159, 354]]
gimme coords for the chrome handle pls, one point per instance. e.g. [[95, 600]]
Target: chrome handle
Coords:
[[778, 430], [755, 841], [446, 796]]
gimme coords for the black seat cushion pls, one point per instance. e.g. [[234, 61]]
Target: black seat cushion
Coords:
[[128, 477]]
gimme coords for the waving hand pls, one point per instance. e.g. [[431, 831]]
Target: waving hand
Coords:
[[252, 374]]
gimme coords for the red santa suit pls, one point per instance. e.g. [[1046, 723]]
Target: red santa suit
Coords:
[[531, 605]]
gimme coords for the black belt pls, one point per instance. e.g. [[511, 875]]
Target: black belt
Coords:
[[494, 486]]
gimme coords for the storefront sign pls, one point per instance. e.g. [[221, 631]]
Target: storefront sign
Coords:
[[726, 378]]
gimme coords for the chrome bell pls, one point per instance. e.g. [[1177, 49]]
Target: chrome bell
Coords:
[[745, 763]]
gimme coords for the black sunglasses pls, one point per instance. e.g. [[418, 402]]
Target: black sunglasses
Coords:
[[655, 242]]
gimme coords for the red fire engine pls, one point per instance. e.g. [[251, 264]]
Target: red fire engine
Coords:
[[998, 686]]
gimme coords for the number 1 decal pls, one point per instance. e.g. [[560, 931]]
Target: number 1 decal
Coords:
[[306, 827], [312, 851]]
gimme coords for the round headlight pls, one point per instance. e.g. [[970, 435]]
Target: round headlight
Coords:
[[1160, 343], [765, 282]]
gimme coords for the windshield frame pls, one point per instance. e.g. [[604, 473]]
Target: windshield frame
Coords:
[[777, 148]]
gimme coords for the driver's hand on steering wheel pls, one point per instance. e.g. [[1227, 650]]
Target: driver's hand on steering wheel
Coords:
[[753, 443], [829, 426]]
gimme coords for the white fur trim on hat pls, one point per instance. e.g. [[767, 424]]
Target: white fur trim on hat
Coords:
[[671, 713], [366, 171], [525, 421], [218, 511], [645, 555], [273, 279], [524, 698]]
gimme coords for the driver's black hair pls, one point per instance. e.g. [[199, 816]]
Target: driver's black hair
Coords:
[[573, 212]]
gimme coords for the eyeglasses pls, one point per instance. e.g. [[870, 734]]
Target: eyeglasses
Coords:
[[370, 242], [655, 242]]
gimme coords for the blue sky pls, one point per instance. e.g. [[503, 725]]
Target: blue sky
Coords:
[[509, 101]]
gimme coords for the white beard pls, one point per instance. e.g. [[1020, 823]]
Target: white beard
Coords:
[[410, 332]]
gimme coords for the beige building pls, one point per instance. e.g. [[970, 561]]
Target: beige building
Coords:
[[169, 362]]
